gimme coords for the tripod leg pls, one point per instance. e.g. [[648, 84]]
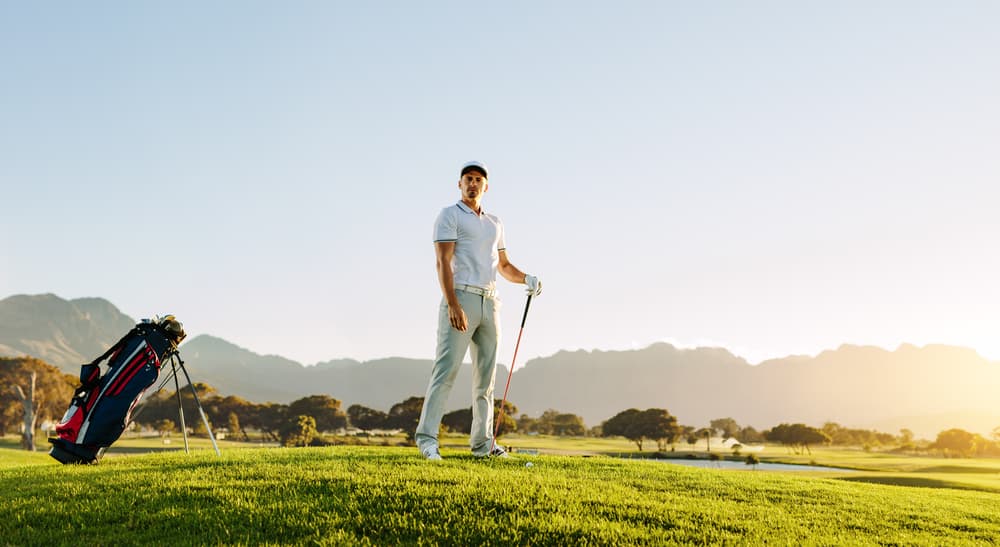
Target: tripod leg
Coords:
[[204, 418], [180, 407]]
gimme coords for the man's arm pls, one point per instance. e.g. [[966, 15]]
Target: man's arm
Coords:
[[445, 250], [508, 270], [514, 275]]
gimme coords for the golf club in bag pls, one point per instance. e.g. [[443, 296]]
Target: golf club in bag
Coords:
[[104, 404], [499, 419]]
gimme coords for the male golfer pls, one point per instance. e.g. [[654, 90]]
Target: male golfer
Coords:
[[469, 244]]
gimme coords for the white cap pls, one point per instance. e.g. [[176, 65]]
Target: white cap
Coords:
[[475, 166]]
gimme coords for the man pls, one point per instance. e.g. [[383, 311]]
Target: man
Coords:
[[469, 244]]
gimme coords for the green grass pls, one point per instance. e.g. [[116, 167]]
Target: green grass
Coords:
[[874, 467], [11, 454], [358, 495], [904, 470]]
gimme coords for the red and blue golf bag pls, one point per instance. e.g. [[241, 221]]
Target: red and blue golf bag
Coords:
[[102, 406]]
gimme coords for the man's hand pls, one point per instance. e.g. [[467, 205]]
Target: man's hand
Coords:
[[534, 285], [457, 317]]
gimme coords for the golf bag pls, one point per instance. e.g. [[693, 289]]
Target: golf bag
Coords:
[[102, 406]]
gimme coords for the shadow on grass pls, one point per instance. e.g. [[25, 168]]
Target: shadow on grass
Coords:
[[11, 442], [123, 450], [958, 469], [918, 482]]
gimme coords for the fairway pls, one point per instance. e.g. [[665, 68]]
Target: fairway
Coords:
[[358, 495]]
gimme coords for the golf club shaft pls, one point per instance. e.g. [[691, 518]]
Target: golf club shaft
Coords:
[[496, 428]]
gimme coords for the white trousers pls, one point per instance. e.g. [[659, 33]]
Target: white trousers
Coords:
[[483, 334]]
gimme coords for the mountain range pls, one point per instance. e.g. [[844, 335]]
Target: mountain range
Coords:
[[925, 389]]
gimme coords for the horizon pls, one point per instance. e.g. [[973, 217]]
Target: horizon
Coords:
[[708, 345], [922, 388], [773, 179]]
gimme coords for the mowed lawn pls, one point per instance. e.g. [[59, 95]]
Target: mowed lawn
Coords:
[[357, 495]]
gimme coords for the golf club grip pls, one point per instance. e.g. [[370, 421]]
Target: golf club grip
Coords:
[[526, 306]]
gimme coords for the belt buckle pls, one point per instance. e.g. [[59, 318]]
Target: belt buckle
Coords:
[[485, 293]]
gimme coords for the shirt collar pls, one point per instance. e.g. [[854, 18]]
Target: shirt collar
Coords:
[[461, 205]]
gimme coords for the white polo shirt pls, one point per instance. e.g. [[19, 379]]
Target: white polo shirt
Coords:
[[478, 242]]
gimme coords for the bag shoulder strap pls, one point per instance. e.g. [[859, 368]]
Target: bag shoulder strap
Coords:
[[115, 347]]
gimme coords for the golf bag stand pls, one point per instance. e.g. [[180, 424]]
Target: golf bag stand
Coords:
[[177, 363], [102, 407]]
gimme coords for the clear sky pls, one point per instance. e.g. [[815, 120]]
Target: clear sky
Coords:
[[772, 177]]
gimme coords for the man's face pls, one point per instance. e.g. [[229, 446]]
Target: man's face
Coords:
[[473, 185]]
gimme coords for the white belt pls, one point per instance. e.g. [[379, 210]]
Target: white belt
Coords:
[[485, 293]]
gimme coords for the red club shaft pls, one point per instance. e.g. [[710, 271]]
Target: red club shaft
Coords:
[[496, 427]]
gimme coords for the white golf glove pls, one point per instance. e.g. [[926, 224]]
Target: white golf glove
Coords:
[[534, 285]]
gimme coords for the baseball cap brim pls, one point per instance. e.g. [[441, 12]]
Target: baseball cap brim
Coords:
[[475, 166]]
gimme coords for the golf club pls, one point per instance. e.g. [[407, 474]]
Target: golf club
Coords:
[[496, 427]]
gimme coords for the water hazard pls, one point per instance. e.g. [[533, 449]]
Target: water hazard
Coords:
[[725, 464]]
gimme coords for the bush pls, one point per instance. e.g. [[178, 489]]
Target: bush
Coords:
[[299, 432]]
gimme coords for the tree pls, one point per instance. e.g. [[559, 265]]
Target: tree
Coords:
[[527, 424], [458, 421], [706, 433], [553, 422], [750, 435], [30, 412], [269, 418], [405, 415], [156, 407], [192, 417], [508, 424], [568, 425], [366, 418], [219, 410], [687, 433], [638, 425], [234, 424], [165, 427], [957, 441], [727, 427], [299, 432], [623, 424], [659, 425], [10, 410], [325, 410], [905, 436], [805, 436], [797, 437], [32, 391], [844, 436]]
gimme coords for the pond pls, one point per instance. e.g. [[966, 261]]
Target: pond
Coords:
[[725, 464]]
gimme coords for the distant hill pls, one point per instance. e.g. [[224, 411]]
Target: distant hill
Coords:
[[378, 384], [856, 386], [920, 388], [65, 333]]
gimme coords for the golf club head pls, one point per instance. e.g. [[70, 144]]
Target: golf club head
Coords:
[[173, 328]]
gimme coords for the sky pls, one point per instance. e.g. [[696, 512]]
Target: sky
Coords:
[[774, 177]]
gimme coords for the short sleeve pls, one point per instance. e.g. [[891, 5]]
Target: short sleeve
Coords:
[[446, 225]]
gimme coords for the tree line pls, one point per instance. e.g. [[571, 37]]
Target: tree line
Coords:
[[32, 392]]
